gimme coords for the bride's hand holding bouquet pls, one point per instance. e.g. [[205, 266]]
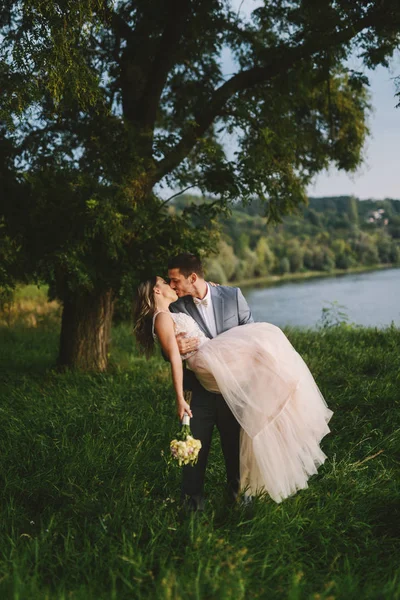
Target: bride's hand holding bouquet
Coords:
[[185, 449], [182, 407]]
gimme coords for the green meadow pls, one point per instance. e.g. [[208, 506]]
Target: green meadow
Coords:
[[90, 505]]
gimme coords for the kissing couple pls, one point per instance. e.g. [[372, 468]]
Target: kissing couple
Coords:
[[245, 378]]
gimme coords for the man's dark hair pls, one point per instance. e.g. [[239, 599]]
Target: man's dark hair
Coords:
[[187, 264]]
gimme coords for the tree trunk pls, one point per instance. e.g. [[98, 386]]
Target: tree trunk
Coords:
[[85, 331]]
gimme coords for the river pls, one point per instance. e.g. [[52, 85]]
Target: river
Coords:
[[370, 299]]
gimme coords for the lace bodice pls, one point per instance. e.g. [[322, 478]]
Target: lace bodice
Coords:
[[184, 323]]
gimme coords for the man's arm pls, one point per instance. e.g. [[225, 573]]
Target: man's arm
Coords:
[[244, 311]]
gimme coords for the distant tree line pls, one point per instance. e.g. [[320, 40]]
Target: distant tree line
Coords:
[[330, 233]]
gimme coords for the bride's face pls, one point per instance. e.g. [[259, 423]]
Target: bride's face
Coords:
[[165, 290]]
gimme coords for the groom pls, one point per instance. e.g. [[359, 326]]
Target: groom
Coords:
[[215, 309]]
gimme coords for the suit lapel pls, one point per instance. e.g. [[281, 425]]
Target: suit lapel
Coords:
[[193, 312], [218, 307]]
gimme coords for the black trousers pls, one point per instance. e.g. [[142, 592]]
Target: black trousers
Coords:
[[209, 410]]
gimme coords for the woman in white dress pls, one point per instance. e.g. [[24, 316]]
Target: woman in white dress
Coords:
[[264, 381]]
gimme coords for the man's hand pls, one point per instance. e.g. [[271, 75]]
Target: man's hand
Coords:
[[186, 345]]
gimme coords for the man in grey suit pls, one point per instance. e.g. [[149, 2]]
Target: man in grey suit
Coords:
[[215, 309]]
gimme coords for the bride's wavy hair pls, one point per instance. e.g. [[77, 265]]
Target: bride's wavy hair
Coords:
[[144, 308]]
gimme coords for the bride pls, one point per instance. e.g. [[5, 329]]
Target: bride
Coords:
[[264, 381]]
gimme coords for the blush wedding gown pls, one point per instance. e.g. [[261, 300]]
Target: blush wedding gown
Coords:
[[273, 396]]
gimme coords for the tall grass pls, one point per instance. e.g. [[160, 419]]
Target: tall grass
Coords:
[[89, 505], [28, 306]]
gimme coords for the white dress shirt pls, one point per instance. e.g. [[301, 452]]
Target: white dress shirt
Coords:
[[207, 312]]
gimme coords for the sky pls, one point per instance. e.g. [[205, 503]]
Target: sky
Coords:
[[378, 176]]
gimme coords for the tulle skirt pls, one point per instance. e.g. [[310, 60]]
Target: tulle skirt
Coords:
[[274, 397]]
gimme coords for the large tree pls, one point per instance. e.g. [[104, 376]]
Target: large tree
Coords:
[[104, 102]]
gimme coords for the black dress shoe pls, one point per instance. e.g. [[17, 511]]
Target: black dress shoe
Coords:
[[193, 503]]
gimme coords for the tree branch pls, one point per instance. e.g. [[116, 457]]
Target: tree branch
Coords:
[[178, 194], [163, 62], [281, 59], [118, 24]]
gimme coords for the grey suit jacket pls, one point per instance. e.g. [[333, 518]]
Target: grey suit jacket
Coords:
[[230, 310]]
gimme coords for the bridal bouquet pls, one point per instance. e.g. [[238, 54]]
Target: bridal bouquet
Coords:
[[185, 449]]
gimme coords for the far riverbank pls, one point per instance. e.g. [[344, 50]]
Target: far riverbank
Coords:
[[272, 280], [369, 299]]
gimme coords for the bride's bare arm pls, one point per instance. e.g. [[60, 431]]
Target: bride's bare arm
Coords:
[[164, 328]]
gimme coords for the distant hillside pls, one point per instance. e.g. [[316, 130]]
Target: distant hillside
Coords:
[[329, 207], [334, 232]]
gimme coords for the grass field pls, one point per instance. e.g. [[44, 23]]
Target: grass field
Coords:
[[89, 506]]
